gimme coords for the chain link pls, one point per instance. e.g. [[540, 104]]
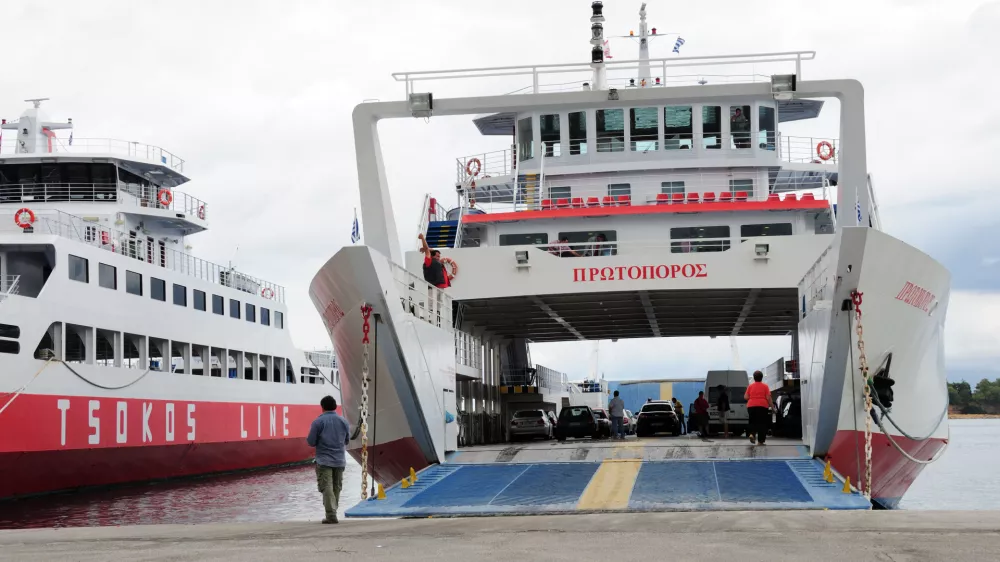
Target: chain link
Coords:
[[866, 485], [366, 312]]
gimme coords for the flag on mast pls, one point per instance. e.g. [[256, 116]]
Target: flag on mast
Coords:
[[356, 229], [677, 45], [857, 206]]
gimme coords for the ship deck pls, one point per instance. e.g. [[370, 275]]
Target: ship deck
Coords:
[[650, 474]]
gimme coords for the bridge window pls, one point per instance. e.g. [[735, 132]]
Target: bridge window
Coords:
[[560, 192], [610, 130], [107, 276], [592, 242], [711, 126], [525, 140], [180, 295], [79, 269], [133, 283], [672, 187], [765, 123], [690, 239], [578, 133], [739, 125], [678, 127], [644, 131], [773, 229], [616, 189], [158, 289], [536, 239], [549, 127], [199, 300], [279, 320], [234, 308]]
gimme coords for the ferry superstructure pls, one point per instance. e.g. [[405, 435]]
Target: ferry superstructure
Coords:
[[645, 202], [124, 358]]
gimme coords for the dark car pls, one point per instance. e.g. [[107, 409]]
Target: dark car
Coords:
[[657, 417], [603, 422], [576, 421]]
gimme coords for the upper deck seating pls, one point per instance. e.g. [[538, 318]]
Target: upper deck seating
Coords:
[[609, 201], [693, 197], [740, 196], [677, 198], [792, 197], [624, 200], [708, 197], [725, 197], [562, 203], [593, 202], [773, 198], [546, 204], [578, 202], [662, 198], [808, 197]]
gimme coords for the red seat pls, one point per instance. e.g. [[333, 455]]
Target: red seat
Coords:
[[708, 197], [792, 197], [740, 196], [808, 197], [578, 202], [562, 203], [593, 202], [725, 197], [677, 198], [624, 200], [609, 201], [546, 204], [773, 198], [693, 198], [662, 198]]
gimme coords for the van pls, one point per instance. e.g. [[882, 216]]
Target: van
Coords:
[[736, 386]]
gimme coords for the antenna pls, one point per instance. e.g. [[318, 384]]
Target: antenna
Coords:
[[643, 47], [37, 102], [232, 259]]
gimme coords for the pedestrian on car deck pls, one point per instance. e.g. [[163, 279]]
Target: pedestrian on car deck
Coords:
[[759, 403], [616, 409], [701, 409]]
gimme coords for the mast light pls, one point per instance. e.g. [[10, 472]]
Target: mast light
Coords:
[[421, 105]]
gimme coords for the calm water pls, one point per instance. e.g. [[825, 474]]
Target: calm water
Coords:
[[965, 478]]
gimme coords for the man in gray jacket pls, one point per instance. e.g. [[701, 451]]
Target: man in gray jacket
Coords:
[[330, 434], [616, 409]]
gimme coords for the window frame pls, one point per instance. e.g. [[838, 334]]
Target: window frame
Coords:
[[279, 320], [672, 188], [71, 268], [554, 148], [175, 293], [222, 305], [503, 239], [789, 231], [250, 314], [674, 137], [644, 136], [605, 139], [129, 273], [577, 146], [525, 149], [265, 316], [235, 309], [194, 300], [101, 268], [152, 289]]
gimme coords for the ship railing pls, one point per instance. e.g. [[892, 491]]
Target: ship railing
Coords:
[[321, 359], [8, 286], [65, 192], [550, 378], [756, 67], [636, 247], [621, 190], [609, 150], [155, 252], [422, 300], [430, 211], [468, 349], [112, 147]]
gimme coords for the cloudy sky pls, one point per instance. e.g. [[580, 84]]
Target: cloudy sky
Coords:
[[257, 96]]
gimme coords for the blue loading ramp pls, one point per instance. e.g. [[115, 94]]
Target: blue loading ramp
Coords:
[[547, 488]]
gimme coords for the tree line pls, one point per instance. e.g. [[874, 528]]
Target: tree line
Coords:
[[984, 399]]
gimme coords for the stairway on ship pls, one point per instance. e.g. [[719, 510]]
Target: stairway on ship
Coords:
[[442, 234]]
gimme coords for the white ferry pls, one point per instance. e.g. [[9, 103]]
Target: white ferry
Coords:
[[122, 357], [641, 199]]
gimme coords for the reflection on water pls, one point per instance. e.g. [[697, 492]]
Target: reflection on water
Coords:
[[282, 494], [965, 478]]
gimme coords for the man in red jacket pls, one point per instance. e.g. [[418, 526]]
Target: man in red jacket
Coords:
[[701, 411]]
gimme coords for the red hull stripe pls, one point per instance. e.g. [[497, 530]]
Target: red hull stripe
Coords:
[[36, 422], [391, 462], [49, 471], [892, 473], [648, 209]]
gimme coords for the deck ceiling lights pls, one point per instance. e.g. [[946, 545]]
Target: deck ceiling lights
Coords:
[[761, 251], [421, 105], [522, 258]]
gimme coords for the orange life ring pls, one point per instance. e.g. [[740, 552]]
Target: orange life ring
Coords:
[[267, 293], [201, 212], [468, 167], [824, 150], [165, 197], [24, 217], [454, 267]]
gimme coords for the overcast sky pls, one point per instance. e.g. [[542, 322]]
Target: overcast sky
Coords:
[[257, 97]]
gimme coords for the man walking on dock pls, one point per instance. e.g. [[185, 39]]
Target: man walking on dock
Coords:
[[330, 434], [701, 412], [616, 409]]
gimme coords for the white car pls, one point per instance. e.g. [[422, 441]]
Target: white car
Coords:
[[529, 424], [630, 420]]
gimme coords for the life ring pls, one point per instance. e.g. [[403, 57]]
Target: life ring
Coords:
[[165, 197], [24, 218], [824, 150], [454, 267], [469, 168], [201, 212], [267, 293]]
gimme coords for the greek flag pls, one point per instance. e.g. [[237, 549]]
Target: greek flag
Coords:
[[857, 206], [356, 230], [71, 138], [677, 45]]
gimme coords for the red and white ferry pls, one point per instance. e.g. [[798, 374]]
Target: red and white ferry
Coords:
[[124, 358], [690, 207]]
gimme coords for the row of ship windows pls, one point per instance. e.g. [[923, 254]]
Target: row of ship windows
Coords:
[[107, 277], [138, 351], [666, 188]]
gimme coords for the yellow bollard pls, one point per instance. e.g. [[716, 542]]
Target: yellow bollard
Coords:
[[847, 485], [381, 492], [413, 475], [828, 473], [405, 483]]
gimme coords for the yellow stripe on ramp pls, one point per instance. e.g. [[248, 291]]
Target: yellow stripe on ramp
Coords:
[[611, 486]]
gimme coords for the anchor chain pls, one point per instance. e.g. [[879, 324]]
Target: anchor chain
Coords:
[[366, 312], [866, 485]]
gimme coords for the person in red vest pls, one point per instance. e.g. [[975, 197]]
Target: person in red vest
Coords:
[[701, 411], [759, 404]]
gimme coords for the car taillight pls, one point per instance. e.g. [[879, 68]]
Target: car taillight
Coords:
[[541, 422]]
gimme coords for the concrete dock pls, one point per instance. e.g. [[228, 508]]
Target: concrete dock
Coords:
[[773, 536]]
